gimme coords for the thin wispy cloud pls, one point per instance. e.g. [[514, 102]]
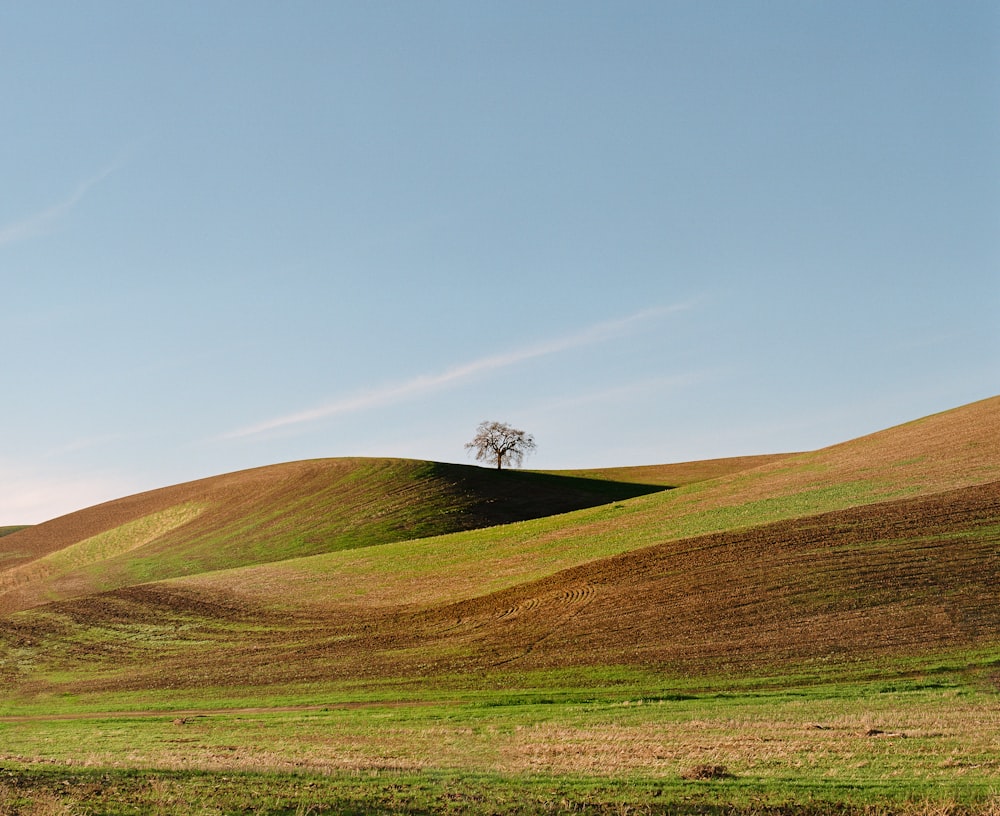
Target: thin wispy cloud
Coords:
[[428, 383], [40, 222]]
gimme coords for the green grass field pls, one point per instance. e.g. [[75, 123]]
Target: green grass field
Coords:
[[815, 633], [609, 742]]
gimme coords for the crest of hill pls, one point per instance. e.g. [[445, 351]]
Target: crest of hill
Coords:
[[951, 449], [679, 474], [4, 531], [272, 513], [944, 451]]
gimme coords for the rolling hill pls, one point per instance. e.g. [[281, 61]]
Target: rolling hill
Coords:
[[274, 513], [880, 549]]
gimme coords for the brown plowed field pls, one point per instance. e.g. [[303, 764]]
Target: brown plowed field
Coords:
[[940, 452], [897, 577], [892, 579]]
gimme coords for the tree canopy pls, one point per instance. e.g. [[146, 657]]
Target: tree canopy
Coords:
[[500, 444]]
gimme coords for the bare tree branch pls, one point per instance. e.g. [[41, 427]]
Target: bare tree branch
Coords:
[[500, 444]]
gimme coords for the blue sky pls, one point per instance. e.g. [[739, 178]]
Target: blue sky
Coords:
[[240, 233]]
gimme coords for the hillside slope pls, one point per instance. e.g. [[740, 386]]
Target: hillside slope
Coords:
[[4, 531], [273, 513], [872, 584]]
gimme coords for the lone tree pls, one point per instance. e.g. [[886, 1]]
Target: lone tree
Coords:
[[500, 443]]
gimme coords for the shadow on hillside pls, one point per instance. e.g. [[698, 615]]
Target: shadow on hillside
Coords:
[[503, 496]]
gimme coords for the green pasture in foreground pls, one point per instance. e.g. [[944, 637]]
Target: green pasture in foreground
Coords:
[[43, 792], [607, 740]]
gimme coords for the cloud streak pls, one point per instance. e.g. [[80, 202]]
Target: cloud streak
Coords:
[[40, 222], [428, 383]]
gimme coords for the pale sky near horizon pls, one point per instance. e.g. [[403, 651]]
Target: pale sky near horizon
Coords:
[[240, 233]]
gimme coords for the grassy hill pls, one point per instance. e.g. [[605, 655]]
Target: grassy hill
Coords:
[[903, 578], [505, 621], [274, 513]]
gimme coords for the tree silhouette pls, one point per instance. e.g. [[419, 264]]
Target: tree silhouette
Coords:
[[497, 442]]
